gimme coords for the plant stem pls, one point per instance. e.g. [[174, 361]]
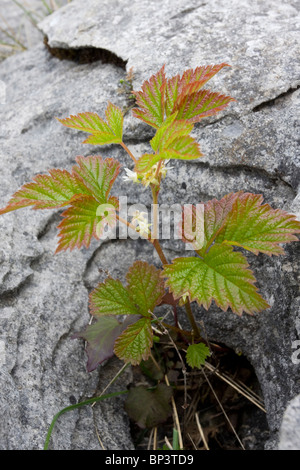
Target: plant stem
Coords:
[[159, 250], [128, 151], [155, 210], [192, 319]]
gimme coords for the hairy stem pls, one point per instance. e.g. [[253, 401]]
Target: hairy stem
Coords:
[[128, 151], [192, 319], [159, 250]]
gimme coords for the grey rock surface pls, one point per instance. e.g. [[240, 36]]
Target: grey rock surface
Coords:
[[251, 146], [290, 427], [18, 23]]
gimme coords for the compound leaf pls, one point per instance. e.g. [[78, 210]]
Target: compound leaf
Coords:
[[257, 227], [115, 120], [97, 174], [111, 298], [221, 275], [94, 177], [196, 354], [79, 224], [145, 286], [195, 106], [101, 132], [191, 81], [149, 408], [47, 192], [135, 343], [151, 100]]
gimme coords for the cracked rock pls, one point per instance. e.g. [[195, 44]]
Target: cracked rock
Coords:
[[43, 298]]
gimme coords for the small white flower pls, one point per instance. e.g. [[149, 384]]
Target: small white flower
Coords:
[[130, 176], [152, 176], [140, 221]]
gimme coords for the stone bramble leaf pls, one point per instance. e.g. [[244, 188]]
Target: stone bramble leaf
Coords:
[[79, 224], [145, 286], [196, 354], [151, 100], [144, 290], [242, 220], [221, 275], [102, 132], [84, 189], [135, 343], [47, 192], [112, 298], [194, 107], [256, 227], [191, 81]]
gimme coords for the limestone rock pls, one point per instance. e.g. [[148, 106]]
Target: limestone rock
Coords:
[[290, 427], [250, 146]]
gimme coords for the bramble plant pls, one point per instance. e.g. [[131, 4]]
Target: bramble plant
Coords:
[[215, 273]]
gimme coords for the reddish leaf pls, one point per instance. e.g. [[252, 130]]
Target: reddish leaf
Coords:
[[47, 192], [151, 100], [192, 80], [194, 107], [101, 337], [257, 227], [97, 174], [79, 224]]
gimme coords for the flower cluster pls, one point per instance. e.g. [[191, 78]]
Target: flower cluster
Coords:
[[140, 222], [153, 176]]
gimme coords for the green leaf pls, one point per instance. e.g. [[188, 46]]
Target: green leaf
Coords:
[[97, 174], [185, 148], [79, 224], [171, 141], [151, 100], [145, 286], [135, 343], [257, 227], [47, 192], [111, 298], [115, 120], [94, 177], [196, 354], [221, 275], [166, 130], [101, 132], [149, 408], [144, 291]]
